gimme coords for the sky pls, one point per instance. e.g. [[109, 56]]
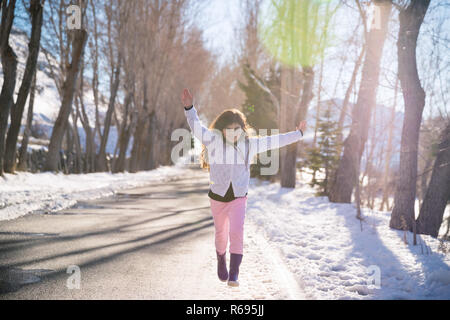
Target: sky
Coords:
[[220, 17], [218, 20]]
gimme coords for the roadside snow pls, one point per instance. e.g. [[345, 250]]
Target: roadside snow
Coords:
[[323, 245], [296, 245], [25, 192]]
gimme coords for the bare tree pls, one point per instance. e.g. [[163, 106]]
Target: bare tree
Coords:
[[23, 151], [129, 119], [36, 13], [389, 151], [117, 16], [438, 191], [346, 174], [90, 133], [411, 18], [251, 50], [346, 102], [9, 63], [79, 38], [296, 35]]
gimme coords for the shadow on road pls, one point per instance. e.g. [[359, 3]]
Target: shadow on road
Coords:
[[12, 277], [47, 237]]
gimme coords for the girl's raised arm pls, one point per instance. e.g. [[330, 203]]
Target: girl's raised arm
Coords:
[[265, 143], [200, 131]]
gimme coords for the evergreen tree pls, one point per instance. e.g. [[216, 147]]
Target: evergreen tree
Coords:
[[314, 162], [258, 107], [324, 156]]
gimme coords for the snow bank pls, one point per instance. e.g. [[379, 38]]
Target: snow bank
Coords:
[[25, 192], [334, 256]]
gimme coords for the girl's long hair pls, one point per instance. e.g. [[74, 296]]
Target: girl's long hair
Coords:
[[224, 119]]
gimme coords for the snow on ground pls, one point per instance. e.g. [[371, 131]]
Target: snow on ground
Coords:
[[25, 192], [263, 275], [296, 246], [323, 245]]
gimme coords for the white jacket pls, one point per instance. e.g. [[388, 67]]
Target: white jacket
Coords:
[[230, 163]]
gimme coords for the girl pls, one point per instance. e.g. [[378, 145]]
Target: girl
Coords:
[[229, 149]]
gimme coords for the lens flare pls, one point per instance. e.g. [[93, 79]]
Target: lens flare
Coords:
[[296, 32]]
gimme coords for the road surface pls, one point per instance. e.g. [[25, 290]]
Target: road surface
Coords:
[[153, 242]]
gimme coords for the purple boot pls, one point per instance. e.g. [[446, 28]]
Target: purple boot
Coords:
[[222, 271], [235, 261]]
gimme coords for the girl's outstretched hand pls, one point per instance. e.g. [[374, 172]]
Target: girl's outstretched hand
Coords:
[[302, 126], [186, 98]]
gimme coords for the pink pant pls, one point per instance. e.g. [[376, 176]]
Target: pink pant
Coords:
[[229, 219]]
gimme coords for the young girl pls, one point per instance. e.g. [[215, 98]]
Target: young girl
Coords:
[[231, 149]]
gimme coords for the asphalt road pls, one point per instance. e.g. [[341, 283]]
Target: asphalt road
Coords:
[[126, 246], [153, 242]]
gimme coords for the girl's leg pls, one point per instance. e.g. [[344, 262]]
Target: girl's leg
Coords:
[[221, 225], [236, 214]]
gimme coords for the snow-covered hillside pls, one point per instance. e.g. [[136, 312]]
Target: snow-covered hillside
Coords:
[[47, 99]]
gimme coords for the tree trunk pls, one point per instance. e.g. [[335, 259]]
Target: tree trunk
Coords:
[[345, 178], [422, 185], [118, 126], [95, 83], [319, 93], [136, 149], [346, 101], [387, 161], [151, 141], [438, 191], [9, 63], [70, 135], [101, 157], [125, 134], [90, 133], [78, 42], [342, 116], [23, 150], [403, 216], [289, 154], [36, 11], [76, 140]]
